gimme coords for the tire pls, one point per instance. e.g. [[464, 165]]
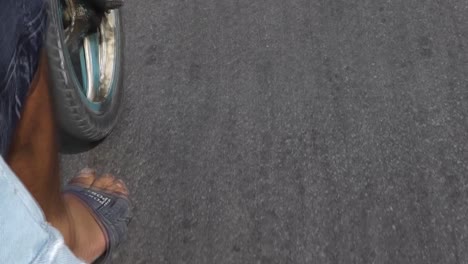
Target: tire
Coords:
[[76, 115]]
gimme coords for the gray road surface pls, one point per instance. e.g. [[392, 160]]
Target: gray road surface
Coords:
[[293, 131]]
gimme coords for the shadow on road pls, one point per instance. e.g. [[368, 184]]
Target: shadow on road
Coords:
[[71, 145]]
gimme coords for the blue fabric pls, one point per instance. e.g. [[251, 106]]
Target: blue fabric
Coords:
[[25, 236], [22, 35]]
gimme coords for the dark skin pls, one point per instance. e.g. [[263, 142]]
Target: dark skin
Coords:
[[33, 156]]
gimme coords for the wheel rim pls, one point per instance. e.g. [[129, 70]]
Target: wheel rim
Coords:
[[95, 63]]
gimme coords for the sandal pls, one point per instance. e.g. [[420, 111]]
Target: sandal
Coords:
[[111, 212]]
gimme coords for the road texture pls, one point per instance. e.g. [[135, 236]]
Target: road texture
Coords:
[[298, 131]]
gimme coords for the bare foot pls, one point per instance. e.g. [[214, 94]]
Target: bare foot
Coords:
[[87, 238]]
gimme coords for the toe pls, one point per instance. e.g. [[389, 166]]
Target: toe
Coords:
[[120, 187], [104, 182], [117, 187], [86, 177], [107, 182]]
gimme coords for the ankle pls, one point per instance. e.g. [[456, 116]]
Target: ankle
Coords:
[[87, 240], [63, 221]]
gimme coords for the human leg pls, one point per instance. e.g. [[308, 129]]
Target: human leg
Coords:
[[33, 152], [34, 158]]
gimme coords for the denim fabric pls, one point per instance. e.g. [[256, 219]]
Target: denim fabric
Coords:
[[25, 236], [22, 35]]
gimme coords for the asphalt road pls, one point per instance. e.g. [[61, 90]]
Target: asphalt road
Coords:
[[298, 131]]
